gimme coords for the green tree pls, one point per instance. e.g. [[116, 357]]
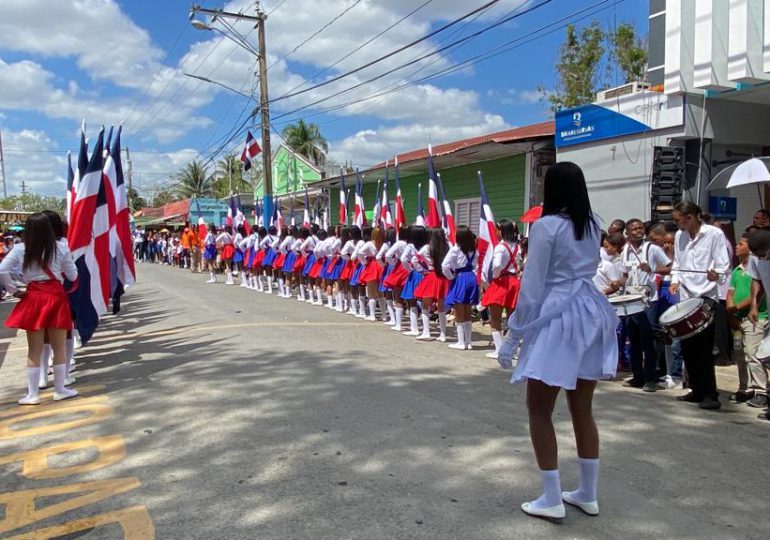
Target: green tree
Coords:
[[33, 202], [577, 68], [306, 139], [630, 52], [135, 201], [230, 169], [164, 196], [193, 181]]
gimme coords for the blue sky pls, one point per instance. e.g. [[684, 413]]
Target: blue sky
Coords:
[[110, 61]]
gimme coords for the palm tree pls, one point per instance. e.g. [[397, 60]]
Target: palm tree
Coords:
[[232, 177], [306, 139], [194, 181]]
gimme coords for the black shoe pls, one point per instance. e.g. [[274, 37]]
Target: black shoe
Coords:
[[710, 403], [764, 415], [630, 383], [650, 387], [689, 397], [741, 397], [759, 401]]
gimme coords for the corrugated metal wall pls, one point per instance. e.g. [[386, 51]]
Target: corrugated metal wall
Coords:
[[504, 180]]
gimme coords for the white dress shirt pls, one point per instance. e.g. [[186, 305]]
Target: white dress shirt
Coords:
[[347, 250], [501, 257], [406, 256], [648, 253], [367, 251], [12, 265], [706, 251], [393, 255], [455, 258], [426, 264]]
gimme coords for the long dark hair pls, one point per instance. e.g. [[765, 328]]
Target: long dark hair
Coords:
[[508, 230], [565, 194], [418, 236], [438, 248], [56, 223], [466, 240], [39, 241], [355, 233]]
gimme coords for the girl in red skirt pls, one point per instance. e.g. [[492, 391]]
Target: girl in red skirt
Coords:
[[42, 263], [225, 243], [369, 279], [398, 275], [502, 292], [434, 286]]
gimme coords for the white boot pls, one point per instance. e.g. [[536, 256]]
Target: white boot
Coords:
[[468, 335], [391, 313], [33, 381], [229, 280], [425, 336], [281, 287], [413, 329], [372, 310], [399, 316], [212, 278], [353, 306], [319, 297], [442, 326], [340, 303], [244, 280], [361, 307], [45, 360], [60, 391], [460, 345], [330, 300], [497, 338]]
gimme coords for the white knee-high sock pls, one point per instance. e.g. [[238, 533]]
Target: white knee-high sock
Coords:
[[399, 316], [384, 309], [340, 302], [59, 376], [372, 308], [442, 322], [391, 311], [589, 478], [362, 305], [46, 355], [33, 381], [497, 338], [70, 345], [468, 333], [320, 295], [413, 320], [551, 490], [425, 323]]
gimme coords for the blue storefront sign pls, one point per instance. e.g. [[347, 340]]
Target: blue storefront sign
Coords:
[[724, 208], [213, 211], [591, 123]]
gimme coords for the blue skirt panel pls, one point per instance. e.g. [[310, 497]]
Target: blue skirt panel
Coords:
[[309, 262], [385, 274], [463, 290], [356, 274], [210, 253], [270, 256], [288, 263], [412, 282]]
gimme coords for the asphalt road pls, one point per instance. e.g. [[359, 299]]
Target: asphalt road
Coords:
[[248, 416]]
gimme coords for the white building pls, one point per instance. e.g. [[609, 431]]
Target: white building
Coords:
[[708, 93]]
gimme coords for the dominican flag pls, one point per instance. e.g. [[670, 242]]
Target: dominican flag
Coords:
[[306, 215], [89, 240], [258, 221], [400, 213], [118, 265], [376, 211], [359, 217], [250, 150], [122, 216], [278, 215], [343, 200], [386, 218], [487, 239], [420, 217], [433, 218], [202, 229], [70, 182], [77, 174], [292, 219], [449, 219]]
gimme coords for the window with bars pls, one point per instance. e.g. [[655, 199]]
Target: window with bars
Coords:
[[467, 212]]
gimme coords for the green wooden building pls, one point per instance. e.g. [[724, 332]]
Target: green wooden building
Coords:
[[292, 172], [512, 162]]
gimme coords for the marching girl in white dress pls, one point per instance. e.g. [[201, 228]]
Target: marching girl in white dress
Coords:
[[210, 253], [269, 246], [246, 247], [42, 263], [225, 242], [398, 275], [503, 281], [459, 266], [433, 288], [418, 238], [384, 292], [568, 332], [333, 269]]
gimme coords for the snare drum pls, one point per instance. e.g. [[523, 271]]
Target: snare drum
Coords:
[[628, 304], [687, 318]]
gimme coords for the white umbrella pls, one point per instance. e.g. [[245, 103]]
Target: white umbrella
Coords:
[[751, 171]]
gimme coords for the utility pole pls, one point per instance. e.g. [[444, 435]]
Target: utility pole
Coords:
[[23, 193], [2, 166], [264, 109], [130, 184]]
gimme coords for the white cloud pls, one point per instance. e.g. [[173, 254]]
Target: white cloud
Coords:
[[31, 157], [521, 97]]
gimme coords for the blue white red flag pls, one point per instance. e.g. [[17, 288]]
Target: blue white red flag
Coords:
[[377, 209], [250, 150], [306, 214], [88, 238], [400, 213], [449, 220], [433, 219], [487, 238], [420, 217], [202, 229], [386, 218], [343, 217], [359, 215]]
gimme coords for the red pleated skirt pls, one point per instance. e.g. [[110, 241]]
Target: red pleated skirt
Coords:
[[278, 262], [503, 291], [372, 272], [44, 305], [257, 262], [228, 251], [432, 286], [299, 263], [347, 271], [317, 267], [397, 277]]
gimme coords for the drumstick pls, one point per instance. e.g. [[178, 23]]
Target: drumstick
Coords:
[[697, 271]]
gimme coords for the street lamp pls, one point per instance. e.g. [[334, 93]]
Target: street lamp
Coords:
[[238, 39], [230, 88]]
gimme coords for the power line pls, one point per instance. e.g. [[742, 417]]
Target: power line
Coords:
[[414, 61], [324, 27], [386, 56]]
